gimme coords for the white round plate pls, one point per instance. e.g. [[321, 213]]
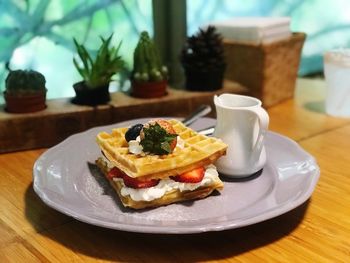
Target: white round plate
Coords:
[[66, 179]]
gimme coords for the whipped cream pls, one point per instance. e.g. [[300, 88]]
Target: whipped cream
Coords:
[[109, 164], [135, 147], [167, 185], [180, 143]]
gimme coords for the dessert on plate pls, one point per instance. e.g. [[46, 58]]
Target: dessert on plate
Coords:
[[159, 163]]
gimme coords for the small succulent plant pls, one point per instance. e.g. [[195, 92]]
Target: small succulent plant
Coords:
[[203, 51], [147, 63], [23, 82], [98, 71]]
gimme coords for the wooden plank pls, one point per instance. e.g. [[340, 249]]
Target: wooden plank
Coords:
[[22, 210], [62, 119], [317, 231], [17, 252], [304, 116]]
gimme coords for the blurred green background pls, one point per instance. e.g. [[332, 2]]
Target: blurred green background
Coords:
[[38, 34]]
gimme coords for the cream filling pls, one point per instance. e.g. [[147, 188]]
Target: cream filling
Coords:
[[167, 185]]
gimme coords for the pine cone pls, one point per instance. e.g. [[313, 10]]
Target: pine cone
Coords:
[[203, 51]]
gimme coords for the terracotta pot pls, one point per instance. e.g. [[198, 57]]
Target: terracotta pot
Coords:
[[90, 97], [25, 103], [149, 89], [204, 80]]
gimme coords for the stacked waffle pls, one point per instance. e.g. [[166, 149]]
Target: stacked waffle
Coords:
[[156, 175]]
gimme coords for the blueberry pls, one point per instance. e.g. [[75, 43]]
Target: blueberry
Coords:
[[133, 132]]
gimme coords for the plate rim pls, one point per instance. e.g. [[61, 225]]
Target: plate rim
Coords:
[[208, 227]]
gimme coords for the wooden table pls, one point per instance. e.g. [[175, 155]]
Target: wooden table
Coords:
[[317, 231]]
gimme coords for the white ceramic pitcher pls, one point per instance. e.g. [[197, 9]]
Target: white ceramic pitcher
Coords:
[[242, 124]]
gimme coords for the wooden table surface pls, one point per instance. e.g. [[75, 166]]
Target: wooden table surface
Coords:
[[316, 231]]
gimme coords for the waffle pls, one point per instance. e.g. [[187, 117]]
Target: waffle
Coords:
[[198, 150], [172, 196]]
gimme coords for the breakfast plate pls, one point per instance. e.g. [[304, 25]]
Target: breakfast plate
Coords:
[[66, 179]]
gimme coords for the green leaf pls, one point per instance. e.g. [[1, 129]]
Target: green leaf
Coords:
[[157, 140], [165, 146], [100, 70], [81, 71]]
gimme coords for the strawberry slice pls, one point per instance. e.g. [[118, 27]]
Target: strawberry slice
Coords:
[[131, 182], [166, 125], [194, 176], [137, 183], [115, 173]]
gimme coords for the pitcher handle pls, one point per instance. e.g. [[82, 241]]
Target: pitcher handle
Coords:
[[263, 118]]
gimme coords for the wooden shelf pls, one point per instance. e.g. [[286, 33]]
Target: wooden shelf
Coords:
[[61, 118]]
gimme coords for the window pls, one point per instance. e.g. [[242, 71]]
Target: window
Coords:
[[327, 23], [38, 34]]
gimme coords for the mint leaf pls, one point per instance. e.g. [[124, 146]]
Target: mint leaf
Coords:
[[157, 140], [165, 146]]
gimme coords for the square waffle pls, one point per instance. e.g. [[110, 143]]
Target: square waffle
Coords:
[[171, 196], [198, 150]]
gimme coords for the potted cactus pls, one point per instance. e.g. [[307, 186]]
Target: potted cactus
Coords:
[[149, 76], [96, 72], [25, 91], [203, 60]]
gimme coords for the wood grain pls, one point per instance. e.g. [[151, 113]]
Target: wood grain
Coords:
[[316, 231], [61, 118]]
